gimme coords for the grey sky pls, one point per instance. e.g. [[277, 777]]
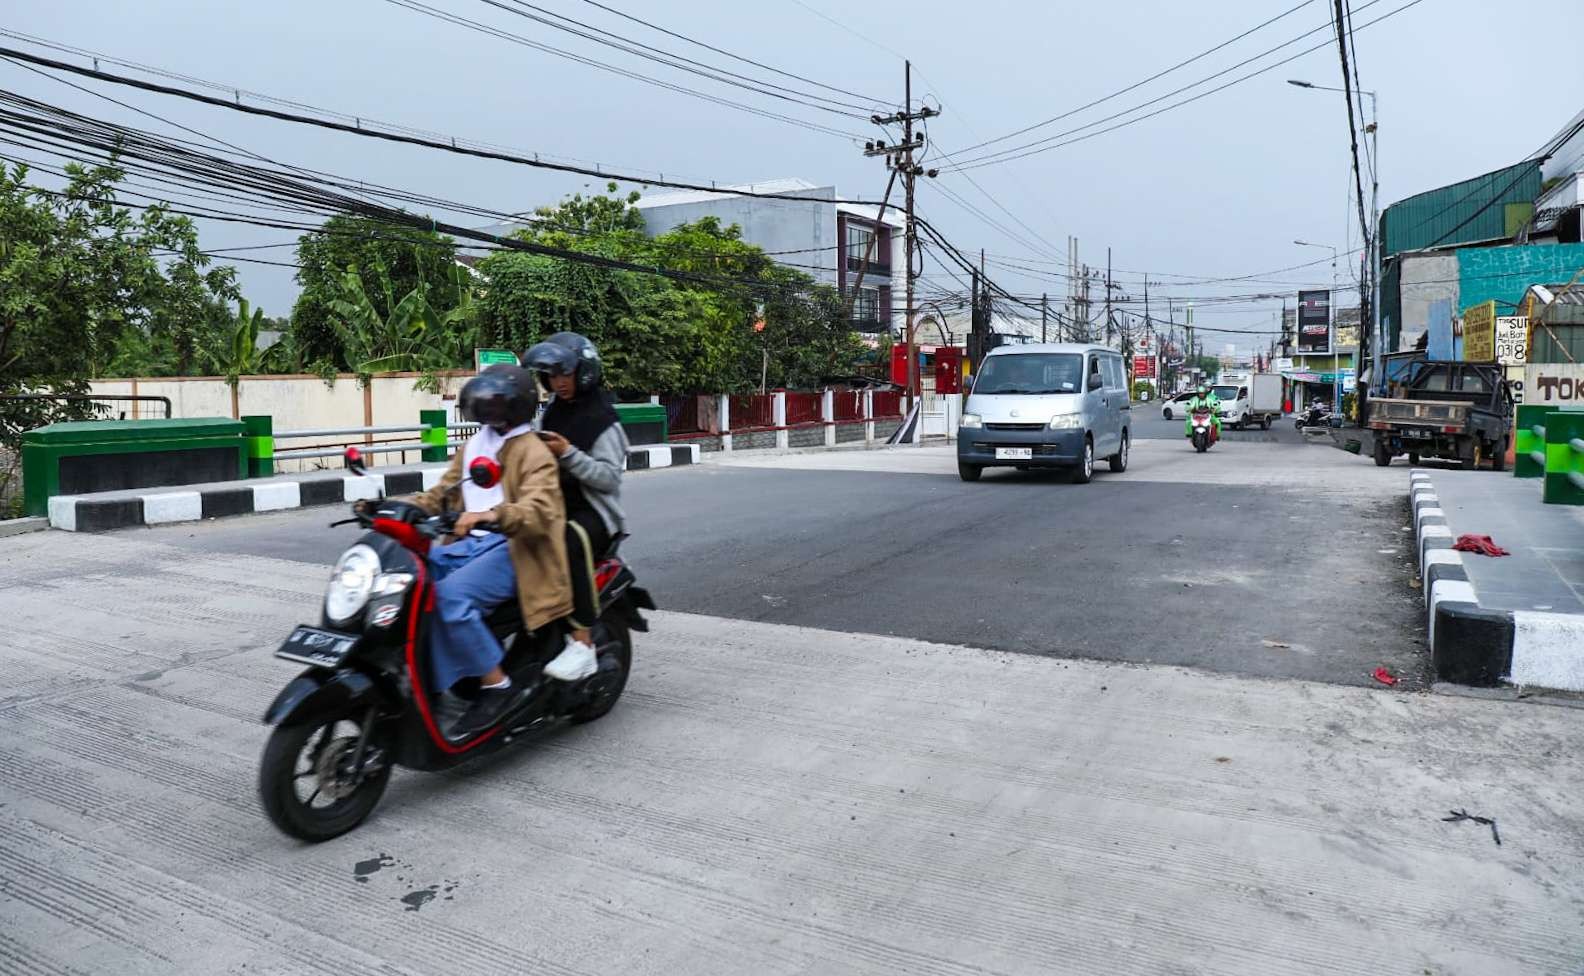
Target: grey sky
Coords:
[[1218, 187]]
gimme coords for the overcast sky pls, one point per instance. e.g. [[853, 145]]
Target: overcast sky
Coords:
[[1219, 187]]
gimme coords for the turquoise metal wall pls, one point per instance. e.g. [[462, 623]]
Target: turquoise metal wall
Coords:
[[1503, 274]]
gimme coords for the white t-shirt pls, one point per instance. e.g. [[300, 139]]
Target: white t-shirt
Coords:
[[486, 443]]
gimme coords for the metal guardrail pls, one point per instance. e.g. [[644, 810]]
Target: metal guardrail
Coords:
[[93, 398], [337, 449]]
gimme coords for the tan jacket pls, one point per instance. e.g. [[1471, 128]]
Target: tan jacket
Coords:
[[533, 517]]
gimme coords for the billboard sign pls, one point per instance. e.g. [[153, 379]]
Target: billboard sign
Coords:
[[1479, 333], [1314, 321], [1144, 367]]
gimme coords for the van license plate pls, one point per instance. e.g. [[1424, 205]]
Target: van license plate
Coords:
[[1014, 454], [320, 648]]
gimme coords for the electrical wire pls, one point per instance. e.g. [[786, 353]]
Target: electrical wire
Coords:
[[1050, 142], [1139, 84], [398, 137], [505, 35]]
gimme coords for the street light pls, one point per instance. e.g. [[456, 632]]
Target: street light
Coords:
[[1373, 130], [1336, 359]]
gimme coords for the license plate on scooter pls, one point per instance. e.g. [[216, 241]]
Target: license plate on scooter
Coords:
[[317, 647], [1014, 453]]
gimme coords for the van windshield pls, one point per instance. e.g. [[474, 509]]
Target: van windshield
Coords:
[[1030, 373], [1225, 392]]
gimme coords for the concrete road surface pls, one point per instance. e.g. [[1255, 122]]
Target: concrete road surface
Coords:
[[1282, 560], [767, 799]]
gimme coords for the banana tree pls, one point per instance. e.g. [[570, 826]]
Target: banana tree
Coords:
[[407, 334]]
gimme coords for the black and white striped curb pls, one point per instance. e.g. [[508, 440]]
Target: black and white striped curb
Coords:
[[1474, 645], [119, 510]]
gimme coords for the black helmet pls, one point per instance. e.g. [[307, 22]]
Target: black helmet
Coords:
[[567, 354], [501, 396]]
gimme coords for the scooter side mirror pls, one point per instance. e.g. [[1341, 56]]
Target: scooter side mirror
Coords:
[[484, 472], [354, 461]]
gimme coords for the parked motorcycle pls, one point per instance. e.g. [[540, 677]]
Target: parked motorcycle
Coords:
[[365, 704], [1317, 415], [1203, 433]]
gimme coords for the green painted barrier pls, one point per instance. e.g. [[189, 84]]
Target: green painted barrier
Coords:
[[645, 423], [112, 455], [260, 446], [435, 437], [1564, 454], [1529, 441]]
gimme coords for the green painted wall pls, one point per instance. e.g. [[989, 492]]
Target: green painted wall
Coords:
[[1484, 208]]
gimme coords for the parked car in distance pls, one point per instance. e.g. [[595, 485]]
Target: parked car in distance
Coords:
[[1176, 406]]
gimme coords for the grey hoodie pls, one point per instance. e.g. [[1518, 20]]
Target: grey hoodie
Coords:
[[599, 470]]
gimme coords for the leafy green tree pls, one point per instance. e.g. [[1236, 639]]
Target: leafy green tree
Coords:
[[409, 258], [86, 283]]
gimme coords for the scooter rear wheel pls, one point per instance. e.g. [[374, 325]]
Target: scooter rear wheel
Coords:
[[613, 644], [308, 763]]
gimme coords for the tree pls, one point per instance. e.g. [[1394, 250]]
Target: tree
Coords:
[[409, 257], [84, 282], [428, 329]]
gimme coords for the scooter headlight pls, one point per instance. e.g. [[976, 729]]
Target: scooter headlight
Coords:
[[351, 583]]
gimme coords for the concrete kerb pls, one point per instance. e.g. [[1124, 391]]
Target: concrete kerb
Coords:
[[1473, 645], [119, 510]]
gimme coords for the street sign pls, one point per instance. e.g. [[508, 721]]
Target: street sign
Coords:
[[1512, 340], [1284, 364], [483, 358]]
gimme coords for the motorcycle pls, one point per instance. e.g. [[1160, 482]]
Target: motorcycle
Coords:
[[365, 703], [1204, 432], [1317, 415]]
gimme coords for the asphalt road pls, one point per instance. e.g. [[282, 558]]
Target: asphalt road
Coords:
[[1271, 559]]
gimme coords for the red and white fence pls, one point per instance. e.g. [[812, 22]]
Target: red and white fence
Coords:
[[789, 415]]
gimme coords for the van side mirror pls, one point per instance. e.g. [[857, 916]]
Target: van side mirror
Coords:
[[1096, 381]]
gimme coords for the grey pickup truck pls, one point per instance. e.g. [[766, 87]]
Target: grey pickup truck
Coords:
[[1456, 411]]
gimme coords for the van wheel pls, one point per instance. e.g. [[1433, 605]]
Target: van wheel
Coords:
[[969, 472], [1119, 460], [1084, 472]]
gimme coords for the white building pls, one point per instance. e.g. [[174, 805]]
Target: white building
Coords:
[[825, 237]]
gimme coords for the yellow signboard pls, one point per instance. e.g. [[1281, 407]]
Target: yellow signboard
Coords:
[[1479, 333]]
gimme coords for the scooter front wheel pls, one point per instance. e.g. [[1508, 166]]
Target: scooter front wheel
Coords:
[[307, 783]]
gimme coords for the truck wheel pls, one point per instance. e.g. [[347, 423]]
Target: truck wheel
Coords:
[[1265, 422], [1472, 459], [1413, 457], [1383, 455], [1499, 456]]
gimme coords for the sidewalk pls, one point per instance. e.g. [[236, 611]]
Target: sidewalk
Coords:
[[105, 510], [1516, 618]]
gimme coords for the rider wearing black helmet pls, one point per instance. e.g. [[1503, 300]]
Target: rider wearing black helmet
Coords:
[[583, 431], [524, 557]]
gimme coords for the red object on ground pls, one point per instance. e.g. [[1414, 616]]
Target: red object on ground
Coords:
[[1385, 677], [1481, 544]]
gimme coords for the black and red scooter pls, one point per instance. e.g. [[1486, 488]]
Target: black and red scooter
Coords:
[[365, 704]]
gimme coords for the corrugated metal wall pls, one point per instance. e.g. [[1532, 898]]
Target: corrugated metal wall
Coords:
[[1481, 209]]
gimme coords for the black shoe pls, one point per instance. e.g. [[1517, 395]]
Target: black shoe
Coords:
[[486, 710]]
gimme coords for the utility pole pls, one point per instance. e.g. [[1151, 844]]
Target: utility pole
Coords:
[[899, 159], [1044, 316], [1109, 322]]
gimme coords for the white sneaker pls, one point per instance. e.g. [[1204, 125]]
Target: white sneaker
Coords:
[[576, 662]]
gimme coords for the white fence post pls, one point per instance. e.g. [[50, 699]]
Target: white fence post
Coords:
[[778, 417], [723, 410], [868, 416], [828, 413]]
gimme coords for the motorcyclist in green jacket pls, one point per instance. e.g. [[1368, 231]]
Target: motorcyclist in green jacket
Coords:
[[1204, 398]]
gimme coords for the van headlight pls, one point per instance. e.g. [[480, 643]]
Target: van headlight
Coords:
[[1066, 421], [351, 583], [971, 420]]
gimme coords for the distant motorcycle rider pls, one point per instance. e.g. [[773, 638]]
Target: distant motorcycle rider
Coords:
[[1204, 398]]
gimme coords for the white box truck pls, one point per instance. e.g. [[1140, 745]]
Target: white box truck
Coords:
[[1265, 399]]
